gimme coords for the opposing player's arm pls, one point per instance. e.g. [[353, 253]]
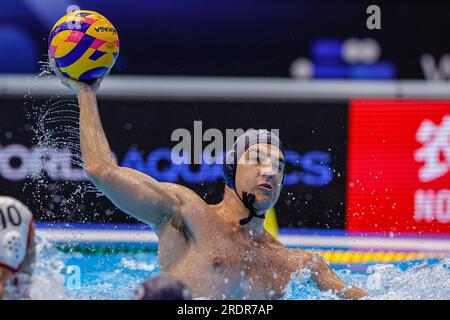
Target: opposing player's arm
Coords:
[[4, 273], [326, 279]]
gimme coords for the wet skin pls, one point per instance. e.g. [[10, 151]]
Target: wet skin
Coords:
[[204, 245]]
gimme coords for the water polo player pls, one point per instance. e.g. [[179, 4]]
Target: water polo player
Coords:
[[219, 251], [16, 248]]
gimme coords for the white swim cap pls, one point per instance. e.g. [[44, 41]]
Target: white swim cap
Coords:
[[15, 227]]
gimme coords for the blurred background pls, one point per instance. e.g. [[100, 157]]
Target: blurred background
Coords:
[[363, 113]]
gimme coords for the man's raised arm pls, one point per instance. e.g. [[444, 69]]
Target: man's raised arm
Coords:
[[132, 191]]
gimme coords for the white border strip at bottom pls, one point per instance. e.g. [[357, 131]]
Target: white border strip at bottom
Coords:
[[121, 236]]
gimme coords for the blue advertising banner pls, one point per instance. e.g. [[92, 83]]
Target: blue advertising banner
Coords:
[[40, 156]]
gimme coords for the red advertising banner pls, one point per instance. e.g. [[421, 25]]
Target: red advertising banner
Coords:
[[399, 166]]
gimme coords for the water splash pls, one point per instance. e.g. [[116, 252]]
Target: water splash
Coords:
[[56, 179], [428, 280], [301, 287], [47, 279]]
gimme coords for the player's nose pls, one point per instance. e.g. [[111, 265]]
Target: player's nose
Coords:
[[267, 170]]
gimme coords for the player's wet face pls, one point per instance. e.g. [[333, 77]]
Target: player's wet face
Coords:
[[260, 171]]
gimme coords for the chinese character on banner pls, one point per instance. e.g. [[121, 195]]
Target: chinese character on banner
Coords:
[[398, 175], [436, 149]]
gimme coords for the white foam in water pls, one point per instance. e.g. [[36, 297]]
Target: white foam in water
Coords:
[[132, 264], [47, 280], [301, 287], [422, 281]]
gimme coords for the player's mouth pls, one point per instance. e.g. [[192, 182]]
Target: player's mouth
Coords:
[[265, 187]]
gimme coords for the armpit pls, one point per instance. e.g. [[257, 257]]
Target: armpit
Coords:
[[179, 225]]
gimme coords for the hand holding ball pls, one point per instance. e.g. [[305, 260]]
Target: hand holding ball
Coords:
[[84, 45]]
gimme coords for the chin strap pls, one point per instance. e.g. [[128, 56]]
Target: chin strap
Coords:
[[248, 199]]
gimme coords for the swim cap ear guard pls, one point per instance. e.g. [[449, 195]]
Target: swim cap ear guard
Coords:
[[229, 168], [230, 161]]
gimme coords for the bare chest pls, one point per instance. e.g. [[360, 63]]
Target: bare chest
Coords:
[[225, 263], [241, 268]]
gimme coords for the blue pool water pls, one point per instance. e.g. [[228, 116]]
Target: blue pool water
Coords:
[[117, 275]]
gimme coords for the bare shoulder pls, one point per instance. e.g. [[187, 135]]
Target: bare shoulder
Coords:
[[184, 194], [297, 258], [304, 258], [190, 204], [272, 241], [301, 253]]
